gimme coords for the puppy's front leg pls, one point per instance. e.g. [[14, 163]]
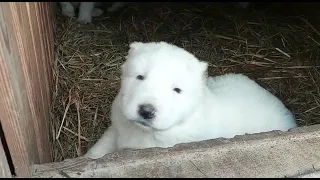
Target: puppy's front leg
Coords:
[[106, 144], [85, 12], [67, 9]]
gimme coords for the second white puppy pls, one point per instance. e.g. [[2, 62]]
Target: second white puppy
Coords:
[[87, 10]]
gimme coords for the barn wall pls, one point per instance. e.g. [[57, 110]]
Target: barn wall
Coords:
[[26, 53]]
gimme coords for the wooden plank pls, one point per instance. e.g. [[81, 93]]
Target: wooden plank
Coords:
[[4, 166], [268, 155], [26, 53]]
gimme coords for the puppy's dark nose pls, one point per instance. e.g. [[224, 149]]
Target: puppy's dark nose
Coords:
[[147, 111]]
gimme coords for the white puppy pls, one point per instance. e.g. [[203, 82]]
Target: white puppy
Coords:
[[166, 99], [87, 10]]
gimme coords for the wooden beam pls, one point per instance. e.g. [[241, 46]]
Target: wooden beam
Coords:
[[269, 155], [26, 53]]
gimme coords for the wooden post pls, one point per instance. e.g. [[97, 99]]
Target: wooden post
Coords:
[[26, 53], [4, 166]]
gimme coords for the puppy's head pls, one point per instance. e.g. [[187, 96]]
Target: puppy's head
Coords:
[[161, 84]]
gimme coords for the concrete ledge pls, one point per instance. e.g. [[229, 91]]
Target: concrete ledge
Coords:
[[272, 154], [310, 175]]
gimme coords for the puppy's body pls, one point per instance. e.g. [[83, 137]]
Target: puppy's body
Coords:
[[186, 105], [87, 10]]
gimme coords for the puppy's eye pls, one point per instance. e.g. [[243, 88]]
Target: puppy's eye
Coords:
[[177, 90], [140, 77]]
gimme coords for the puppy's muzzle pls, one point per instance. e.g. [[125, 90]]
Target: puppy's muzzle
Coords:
[[147, 111]]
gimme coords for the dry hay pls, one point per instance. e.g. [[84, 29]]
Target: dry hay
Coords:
[[281, 53]]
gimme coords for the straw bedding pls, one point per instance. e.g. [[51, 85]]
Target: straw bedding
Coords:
[[278, 49]]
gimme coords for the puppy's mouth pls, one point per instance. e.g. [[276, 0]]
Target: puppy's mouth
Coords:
[[142, 123]]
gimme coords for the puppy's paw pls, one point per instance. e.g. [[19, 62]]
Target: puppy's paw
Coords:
[[84, 20]]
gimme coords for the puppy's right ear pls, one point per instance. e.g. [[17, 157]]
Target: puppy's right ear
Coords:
[[135, 45], [132, 48]]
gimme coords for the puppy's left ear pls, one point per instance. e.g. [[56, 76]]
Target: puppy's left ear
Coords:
[[203, 66], [123, 66]]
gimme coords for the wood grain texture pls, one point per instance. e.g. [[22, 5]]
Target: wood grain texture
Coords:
[[4, 166], [26, 53]]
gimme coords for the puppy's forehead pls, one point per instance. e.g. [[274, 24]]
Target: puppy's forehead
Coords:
[[168, 60], [169, 66], [163, 58]]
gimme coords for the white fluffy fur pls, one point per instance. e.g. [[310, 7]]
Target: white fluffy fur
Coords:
[[87, 10], [206, 108]]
